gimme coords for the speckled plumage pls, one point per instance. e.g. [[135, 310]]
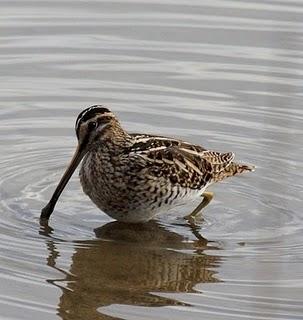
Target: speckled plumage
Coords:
[[133, 177]]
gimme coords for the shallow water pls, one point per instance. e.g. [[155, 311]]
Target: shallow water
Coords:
[[224, 74]]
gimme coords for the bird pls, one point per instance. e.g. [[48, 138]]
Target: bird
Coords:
[[134, 177]]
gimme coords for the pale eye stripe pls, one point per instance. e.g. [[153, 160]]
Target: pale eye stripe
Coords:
[[96, 117], [87, 110]]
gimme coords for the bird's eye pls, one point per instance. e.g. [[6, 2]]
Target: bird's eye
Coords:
[[92, 125]]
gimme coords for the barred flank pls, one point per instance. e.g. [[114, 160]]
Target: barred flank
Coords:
[[231, 170]]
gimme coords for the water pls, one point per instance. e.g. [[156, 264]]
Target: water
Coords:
[[224, 74]]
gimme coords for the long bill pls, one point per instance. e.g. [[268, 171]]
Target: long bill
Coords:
[[49, 208]]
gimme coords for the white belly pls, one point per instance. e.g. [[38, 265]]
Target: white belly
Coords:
[[145, 213]]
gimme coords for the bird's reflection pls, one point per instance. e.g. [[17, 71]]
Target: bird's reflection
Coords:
[[129, 264]]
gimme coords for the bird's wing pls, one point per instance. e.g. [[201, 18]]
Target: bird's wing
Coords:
[[182, 162], [162, 157], [218, 161]]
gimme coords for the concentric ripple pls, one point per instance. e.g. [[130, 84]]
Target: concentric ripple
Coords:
[[225, 74]]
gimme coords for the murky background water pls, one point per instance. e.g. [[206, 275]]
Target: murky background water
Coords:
[[224, 74]]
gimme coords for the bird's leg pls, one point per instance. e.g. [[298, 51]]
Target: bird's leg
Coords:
[[207, 197]]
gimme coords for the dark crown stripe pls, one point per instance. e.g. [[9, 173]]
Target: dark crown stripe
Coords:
[[89, 113]]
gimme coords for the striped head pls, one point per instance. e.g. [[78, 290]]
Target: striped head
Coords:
[[92, 124]]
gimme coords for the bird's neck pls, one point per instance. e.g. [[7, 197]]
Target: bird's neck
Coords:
[[114, 139]]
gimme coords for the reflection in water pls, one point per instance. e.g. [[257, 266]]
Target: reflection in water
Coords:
[[129, 264]]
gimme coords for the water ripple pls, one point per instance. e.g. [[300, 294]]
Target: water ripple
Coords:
[[225, 74]]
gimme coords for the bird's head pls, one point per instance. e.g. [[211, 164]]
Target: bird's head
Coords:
[[93, 125]]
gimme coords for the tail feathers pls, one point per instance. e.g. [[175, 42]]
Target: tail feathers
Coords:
[[243, 168], [232, 170]]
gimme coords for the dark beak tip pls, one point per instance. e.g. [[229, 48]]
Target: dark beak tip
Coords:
[[46, 212]]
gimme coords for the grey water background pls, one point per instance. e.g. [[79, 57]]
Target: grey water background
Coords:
[[226, 74]]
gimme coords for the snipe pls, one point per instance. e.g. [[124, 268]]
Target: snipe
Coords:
[[133, 177]]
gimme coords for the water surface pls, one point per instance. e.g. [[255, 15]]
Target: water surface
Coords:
[[224, 74]]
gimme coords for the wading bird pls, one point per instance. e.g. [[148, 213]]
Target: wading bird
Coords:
[[134, 177]]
